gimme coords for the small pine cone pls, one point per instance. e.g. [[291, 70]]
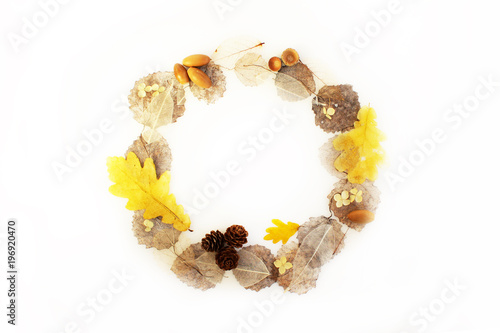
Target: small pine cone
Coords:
[[213, 242], [227, 258], [236, 236]]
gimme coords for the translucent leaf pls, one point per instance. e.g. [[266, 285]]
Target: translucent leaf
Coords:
[[251, 69], [196, 272], [216, 91], [207, 266], [159, 151], [314, 251], [231, 50], [327, 157], [167, 232], [139, 105], [314, 222], [172, 253], [289, 251], [306, 283], [159, 112], [295, 83], [166, 238], [151, 135], [251, 269]]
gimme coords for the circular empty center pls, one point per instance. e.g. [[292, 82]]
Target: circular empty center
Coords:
[[246, 160]]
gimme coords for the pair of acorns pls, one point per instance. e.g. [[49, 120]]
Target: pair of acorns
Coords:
[[193, 73], [290, 57]]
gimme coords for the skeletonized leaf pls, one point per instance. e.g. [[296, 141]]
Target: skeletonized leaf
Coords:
[[327, 157], [295, 83], [166, 238], [314, 251], [216, 91], [370, 198], [305, 284], [148, 237], [231, 50], [139, 105], [159, 151], [314, 222], [187, 269], [159, 113], [151, 135], [170, 255], [268, 258], [289, 251], [208, 267], [253, 267], [251, 69]]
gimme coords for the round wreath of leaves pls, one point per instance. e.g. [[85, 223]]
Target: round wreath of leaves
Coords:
[[158, 100]]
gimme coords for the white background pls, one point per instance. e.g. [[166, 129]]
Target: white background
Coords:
[[437, 225]]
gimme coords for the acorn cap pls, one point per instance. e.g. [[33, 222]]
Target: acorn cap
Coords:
[[290, 57]]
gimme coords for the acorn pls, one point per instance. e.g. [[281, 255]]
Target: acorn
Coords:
[[361, 216], [181, 74], [199, 77], [290, 57], [275, 64], [196, 60]]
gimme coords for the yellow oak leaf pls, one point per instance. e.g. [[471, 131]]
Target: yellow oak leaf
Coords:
[[145, 191], [361, 149], [282, 232]]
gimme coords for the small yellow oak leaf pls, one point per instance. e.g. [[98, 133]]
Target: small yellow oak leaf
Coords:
[[282, 232], [145, 191], [361, 149]]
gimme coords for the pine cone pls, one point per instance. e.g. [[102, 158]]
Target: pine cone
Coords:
[[227, 258], [236, 236], [213, 242]]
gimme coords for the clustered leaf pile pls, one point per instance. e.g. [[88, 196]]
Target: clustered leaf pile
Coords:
[[352, 154]]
